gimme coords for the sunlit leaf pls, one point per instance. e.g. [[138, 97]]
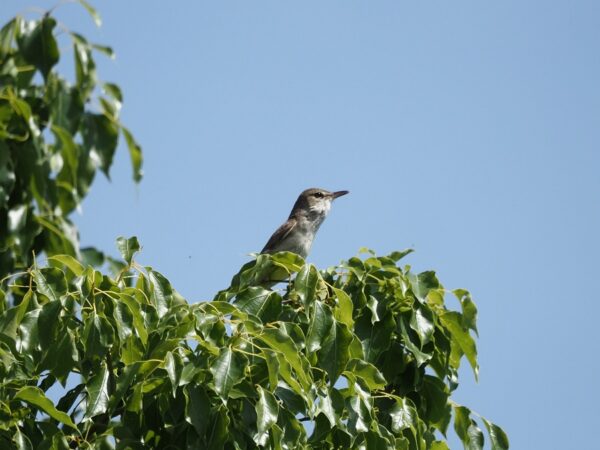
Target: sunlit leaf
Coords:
[[91, 11], [260, 302], [70, 262], [267, 410], [371, 376], [462, 338], [498, 437], [162, 292], [319, 327], [36, 397], [97, 389], [227, 370], [306, 283], [422, 322], [50, 282], [135, 154], [344, 309], [128, 247]]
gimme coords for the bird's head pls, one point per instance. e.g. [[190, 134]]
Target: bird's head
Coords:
[[316, 201]]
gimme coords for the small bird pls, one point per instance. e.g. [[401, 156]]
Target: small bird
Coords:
[[298, 232]]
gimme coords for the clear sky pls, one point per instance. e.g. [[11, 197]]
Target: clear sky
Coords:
[[467, 130]]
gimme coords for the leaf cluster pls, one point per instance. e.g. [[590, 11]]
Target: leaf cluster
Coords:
[[55, 135], [361, 355]]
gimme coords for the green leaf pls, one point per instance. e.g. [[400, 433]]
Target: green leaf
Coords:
[[173, 365], [198, 408], [29, 330], [227, 370], [331, 404], [367, 372], [306, 283], [113, 90], [37, 44], [162, 292], [7, 175], [437, 410], [7, 35], [397, 256], [420, 356], [476, 440], [125, 382], [260, 302], [469, 310], [403, 415], [423, 283], [135, 154], [128, 247], [11, 320], [422, 322], [344, 308], [272, 368], [372, 304], [98, 335], [92, 12], [359, 411], [61, 236], [466, 429], [372, 440], [66, 108], [22, 441], [267, 411], [498, 437], [63, 356], [375, 339], [36, 397], [334, 355], [97, 390], [50, 282], [461, 337], [70, 262], [279, 341], [108, 51], [48, 323], [91, 256], [293, 433], [217, 432], [85, 69], [321, 321], [138, 319], [100, 137]]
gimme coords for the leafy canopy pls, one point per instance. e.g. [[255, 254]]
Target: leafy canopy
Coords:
[[54, 136], [361, 355]]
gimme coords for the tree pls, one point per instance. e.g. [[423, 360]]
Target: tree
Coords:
[[361, 355], [42, 180]]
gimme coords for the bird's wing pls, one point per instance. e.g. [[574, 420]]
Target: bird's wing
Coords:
[[279, 235]]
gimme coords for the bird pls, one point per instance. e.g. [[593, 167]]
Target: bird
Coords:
[[298, 232]]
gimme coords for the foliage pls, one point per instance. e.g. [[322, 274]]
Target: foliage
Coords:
[[362, 355], [54, 136]]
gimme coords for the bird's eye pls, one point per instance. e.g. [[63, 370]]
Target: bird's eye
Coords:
[[318, 194]]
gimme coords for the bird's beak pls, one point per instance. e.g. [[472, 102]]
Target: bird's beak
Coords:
[[340, 193]]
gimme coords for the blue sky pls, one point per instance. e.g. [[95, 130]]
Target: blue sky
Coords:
[[466, 130]]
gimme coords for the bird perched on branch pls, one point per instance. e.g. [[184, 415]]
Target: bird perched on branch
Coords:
[[298, 232]]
